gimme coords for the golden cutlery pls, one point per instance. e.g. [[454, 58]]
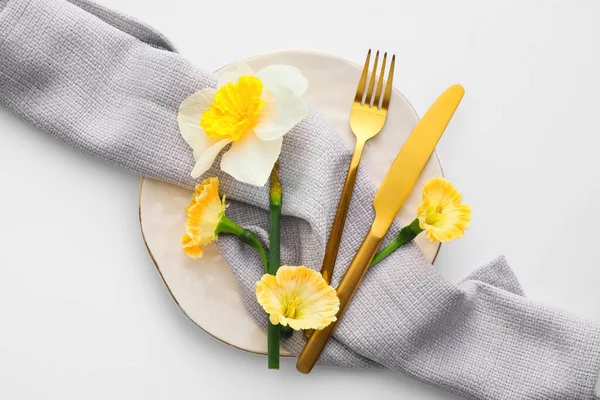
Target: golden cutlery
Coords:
[[392, 193], [366, 120]]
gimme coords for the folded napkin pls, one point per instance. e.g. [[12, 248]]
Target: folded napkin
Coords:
[[111, 86]]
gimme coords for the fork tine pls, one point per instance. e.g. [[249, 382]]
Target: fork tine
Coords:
[[380, 82], [372, 82], [388, 86], [360, 90]]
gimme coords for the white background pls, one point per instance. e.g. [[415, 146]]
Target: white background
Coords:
[[83, 311]]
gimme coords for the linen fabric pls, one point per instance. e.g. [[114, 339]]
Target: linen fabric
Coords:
[[110, 86]]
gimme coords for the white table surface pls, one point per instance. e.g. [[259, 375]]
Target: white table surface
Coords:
[[84, 313]]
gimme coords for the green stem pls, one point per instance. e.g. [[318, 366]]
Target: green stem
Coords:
[[408, 233], [275, 197], [245, 235], [273, 336], [286, 331]]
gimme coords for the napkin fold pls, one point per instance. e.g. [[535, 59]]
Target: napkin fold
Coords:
[[110, 86]]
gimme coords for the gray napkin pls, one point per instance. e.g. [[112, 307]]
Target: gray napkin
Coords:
[[111, 86]]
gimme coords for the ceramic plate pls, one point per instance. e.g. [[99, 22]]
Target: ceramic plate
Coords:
[[205, 289]]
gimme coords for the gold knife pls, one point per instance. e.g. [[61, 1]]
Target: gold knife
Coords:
[[392, 193]]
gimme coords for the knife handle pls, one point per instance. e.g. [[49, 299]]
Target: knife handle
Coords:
[[345, 291]]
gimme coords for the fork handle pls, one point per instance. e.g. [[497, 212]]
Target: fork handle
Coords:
[[335, 236]]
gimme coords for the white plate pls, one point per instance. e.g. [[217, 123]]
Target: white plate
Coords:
[[205, 289]]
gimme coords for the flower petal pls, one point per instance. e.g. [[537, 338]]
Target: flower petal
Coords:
[[282, 111], [190, 113], [439, 191], [234, 73], [191, 248], [206, 157], [204, 213], [285, 76], [251, 159]]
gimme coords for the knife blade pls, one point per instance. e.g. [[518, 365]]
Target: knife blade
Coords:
[[393, 192]]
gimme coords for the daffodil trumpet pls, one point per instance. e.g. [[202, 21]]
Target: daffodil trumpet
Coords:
[[441, 214]]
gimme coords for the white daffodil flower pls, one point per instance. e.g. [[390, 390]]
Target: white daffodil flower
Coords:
[[252, 111]]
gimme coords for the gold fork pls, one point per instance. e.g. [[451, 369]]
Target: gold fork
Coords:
[[366, 120]]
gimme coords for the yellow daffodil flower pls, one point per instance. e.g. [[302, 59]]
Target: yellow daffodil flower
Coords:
[[442, 214], [250, 110], [298, 297], [204, 213], [206, 219]]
